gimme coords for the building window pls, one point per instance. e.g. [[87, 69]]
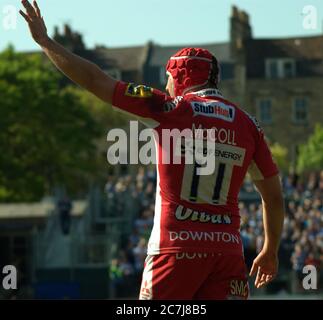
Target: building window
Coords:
[[300, 110], [264, 111], [280, 68], [272, 69], [288, 69]]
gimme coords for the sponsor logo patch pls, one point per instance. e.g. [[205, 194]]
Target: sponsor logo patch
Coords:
[[239, 289], [214, 109], [192, 255], [185, 214], [204, 236], [140, 91]]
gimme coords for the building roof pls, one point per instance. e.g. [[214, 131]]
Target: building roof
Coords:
[[99, 57], [297, 47], [161, 54], [307, 51], [127, 58]]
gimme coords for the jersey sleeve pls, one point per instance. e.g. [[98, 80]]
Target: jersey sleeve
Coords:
[[262, 165], [146, 103]]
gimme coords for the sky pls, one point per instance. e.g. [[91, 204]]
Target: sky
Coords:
[[118, 23]]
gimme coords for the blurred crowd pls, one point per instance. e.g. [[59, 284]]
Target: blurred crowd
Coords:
[[133, 196], [302, 239], [303, 230]]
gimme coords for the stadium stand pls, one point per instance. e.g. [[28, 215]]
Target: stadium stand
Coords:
[[302, 240]]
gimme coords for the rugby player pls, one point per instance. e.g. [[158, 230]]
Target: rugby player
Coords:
[[195, 250]]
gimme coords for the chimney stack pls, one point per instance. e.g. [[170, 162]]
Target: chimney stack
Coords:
[[240, 30], [70, 39]]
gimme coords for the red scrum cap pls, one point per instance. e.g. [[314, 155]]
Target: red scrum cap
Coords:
[[192, 68]]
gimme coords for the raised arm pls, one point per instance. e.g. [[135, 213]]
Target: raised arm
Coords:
[[81, 71], [266, 263]]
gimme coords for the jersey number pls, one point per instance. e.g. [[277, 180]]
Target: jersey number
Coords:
[[217, 187], [214, 188]]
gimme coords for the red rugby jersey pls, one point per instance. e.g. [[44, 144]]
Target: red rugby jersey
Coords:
[[198, 213]]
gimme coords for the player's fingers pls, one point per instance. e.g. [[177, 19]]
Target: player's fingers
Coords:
[[258, 277], [37, 9], [263, 281], [29, 8], [24, 16], [43, 22], [263, 277]]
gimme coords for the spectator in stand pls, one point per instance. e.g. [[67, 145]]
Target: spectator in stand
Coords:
[[116, 278], [298, 262], [64, 209], [124, 265], [140, 252], [145, 222]]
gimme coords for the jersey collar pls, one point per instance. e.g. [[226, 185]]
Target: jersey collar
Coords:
[[208, 92]]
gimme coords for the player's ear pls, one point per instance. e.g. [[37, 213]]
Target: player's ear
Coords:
[[170, 85]]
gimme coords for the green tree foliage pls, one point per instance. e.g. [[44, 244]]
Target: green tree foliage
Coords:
[[102, 112], [280, 154], [311, 153], [47, 134], [106, 118]]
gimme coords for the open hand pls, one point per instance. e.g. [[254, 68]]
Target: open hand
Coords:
[[266, 267], [35, 22]]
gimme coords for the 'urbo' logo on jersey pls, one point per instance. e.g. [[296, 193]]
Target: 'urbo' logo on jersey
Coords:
[[216, 109], [185, 214]]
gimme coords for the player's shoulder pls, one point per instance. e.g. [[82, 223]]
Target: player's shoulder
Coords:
[[140, 91], [248, 119], [252, 120], [243, 115]]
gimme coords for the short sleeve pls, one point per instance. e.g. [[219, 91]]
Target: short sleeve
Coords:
[[262, 165], [144, 102]]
